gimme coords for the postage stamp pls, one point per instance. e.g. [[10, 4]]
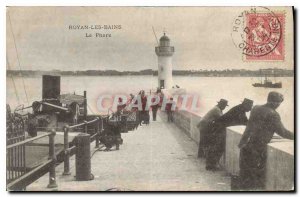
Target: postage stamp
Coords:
[[259, 34]]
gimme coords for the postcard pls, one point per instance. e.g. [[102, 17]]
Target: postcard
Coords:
[[150, 98]]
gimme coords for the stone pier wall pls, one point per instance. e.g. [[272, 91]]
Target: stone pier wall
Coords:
[[280, 162]]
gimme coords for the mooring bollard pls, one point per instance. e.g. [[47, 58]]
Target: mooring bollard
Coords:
[[52, 156], [84, 106], [83, 158], [66, 151]]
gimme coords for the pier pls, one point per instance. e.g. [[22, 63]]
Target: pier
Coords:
[[156, 157], [161, 156]]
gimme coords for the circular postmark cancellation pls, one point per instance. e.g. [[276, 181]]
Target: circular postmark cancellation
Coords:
[[257, 32]]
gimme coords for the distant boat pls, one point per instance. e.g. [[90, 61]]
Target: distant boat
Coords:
[[267, 83]]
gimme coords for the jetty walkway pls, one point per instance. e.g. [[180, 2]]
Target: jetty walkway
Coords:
[[155, 157]]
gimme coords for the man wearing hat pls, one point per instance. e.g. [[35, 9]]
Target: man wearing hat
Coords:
[[204, 124], [264, 121], [235, 116]]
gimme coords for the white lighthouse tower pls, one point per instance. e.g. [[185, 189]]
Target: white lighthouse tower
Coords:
[[164, 53]]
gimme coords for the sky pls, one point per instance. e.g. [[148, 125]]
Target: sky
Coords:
[[201, 37]]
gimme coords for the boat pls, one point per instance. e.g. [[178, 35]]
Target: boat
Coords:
[[267, 83]]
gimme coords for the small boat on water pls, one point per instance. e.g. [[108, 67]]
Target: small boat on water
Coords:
[[267, 83]]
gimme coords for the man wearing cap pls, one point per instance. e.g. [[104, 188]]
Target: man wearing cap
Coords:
[[235, 116], [204, 124], [264, 121]]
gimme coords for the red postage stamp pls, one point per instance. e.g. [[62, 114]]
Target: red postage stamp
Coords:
[[259, 34], [264, 36]]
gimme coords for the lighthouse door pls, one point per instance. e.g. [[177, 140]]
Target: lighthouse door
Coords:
[[162, 84]]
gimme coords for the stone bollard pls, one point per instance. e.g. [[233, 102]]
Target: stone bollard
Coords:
[[83, 158]]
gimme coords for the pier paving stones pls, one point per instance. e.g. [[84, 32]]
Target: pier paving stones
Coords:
[[155, 157]]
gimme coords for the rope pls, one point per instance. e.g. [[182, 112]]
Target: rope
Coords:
[[98, 149], [16, 92], [155, 36], [18, 57]]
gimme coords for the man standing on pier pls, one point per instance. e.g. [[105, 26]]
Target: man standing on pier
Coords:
[[155, 107], [170, 108], [264, 121], [204, 126], [145, 111], [235, 116]]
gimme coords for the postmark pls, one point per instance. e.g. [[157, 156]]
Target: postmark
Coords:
[[259, 34]]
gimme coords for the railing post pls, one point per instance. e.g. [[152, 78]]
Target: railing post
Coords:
[[66, 151], [84, 106], [85, 126], [98, 132], [102, 126], [52, 156]]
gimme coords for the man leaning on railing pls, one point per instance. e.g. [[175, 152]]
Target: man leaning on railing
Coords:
[[264, 121]]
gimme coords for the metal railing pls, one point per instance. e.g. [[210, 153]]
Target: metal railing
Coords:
[[15, 161], [17, 181], [68, 151]]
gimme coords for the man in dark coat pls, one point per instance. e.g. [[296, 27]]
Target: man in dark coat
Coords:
[[264, 121], [155, 107], [235, 116], [205, 123], [145, 112], [154, 111], [170, 108]]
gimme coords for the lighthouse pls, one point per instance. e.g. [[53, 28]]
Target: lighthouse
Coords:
[[164, 54]]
